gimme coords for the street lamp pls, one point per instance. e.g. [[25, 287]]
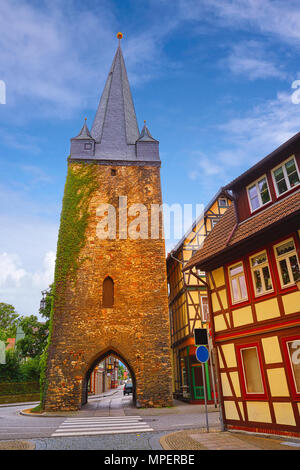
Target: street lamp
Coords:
[[43, 301]]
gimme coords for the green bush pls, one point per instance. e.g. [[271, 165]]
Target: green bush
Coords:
[[11, 371], [19, 388], [30, 370], [17, 370]]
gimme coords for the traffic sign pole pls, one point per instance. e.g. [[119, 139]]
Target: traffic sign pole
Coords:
[[205, 396], [202, 355]]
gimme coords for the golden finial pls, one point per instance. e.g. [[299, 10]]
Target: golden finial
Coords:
[[119, 36]]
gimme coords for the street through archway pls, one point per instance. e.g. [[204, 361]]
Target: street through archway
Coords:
[[110, 403]]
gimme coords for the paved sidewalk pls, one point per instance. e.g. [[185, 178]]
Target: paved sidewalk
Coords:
[[199, 439], [88, 410]]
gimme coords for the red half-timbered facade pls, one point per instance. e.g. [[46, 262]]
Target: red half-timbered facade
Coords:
[[252, 265]]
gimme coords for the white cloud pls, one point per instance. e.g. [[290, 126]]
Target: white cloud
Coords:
[[48, 55], [43, 278], [277, 18], [28, 239], [22, 288], [203, 165], [247, 139], [58, 57], [269, 124], [10, 270], [36, 173]]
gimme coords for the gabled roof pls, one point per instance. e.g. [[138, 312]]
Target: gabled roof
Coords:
[[221, 192], [228, 235]]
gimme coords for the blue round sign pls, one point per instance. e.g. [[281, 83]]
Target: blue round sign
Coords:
[[202, 354]]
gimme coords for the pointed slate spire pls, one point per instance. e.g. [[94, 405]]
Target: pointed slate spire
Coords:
[[147, 147], [115, 127], [84, 133], [115, 134], [83, 145], [145, 135]]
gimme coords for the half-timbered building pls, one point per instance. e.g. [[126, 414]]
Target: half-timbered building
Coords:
[[188, 305], [252, 268]]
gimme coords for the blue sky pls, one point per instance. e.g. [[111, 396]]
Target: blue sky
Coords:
[[213, 79]]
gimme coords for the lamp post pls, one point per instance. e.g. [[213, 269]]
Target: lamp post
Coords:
[[43, 300]]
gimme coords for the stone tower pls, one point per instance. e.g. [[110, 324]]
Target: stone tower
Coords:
[[110, 289]]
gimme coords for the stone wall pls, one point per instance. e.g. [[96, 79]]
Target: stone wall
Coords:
[[136, 328]]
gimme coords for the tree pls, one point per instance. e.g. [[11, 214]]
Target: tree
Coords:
[[9, 320], [30, 369], [121, 371], [35, 340], [36, 332], [46, 310], [11, 371]]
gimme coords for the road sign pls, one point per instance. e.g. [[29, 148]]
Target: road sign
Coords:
[[200, 335], [202, 354]]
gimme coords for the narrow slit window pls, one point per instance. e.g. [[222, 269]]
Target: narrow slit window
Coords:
[[108, 292]]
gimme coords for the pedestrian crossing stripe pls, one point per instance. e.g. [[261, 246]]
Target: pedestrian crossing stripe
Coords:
[[101, 425]]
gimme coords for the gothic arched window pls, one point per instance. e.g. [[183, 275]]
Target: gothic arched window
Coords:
[[108, 292]]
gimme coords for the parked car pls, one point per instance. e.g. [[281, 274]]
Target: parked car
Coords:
[[128, 388]]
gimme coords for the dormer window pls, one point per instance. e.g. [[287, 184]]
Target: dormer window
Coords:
[[223, 202], [286, 176], [258, 193]]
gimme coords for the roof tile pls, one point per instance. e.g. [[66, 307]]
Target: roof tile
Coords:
[[228, 234]]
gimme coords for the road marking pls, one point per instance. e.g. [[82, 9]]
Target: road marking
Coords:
[[99, 425]]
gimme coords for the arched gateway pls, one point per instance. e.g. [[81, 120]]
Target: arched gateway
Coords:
[[110, 276], [100, 357]]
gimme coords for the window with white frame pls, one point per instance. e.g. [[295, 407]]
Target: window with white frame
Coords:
[[222, 202], [261, 273], [286, 176], [251, 370], [287, 262], [258, 193], [205, 308], [237, 283]]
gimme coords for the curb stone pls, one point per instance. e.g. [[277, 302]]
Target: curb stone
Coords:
[[181, 440], [16, 445]]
